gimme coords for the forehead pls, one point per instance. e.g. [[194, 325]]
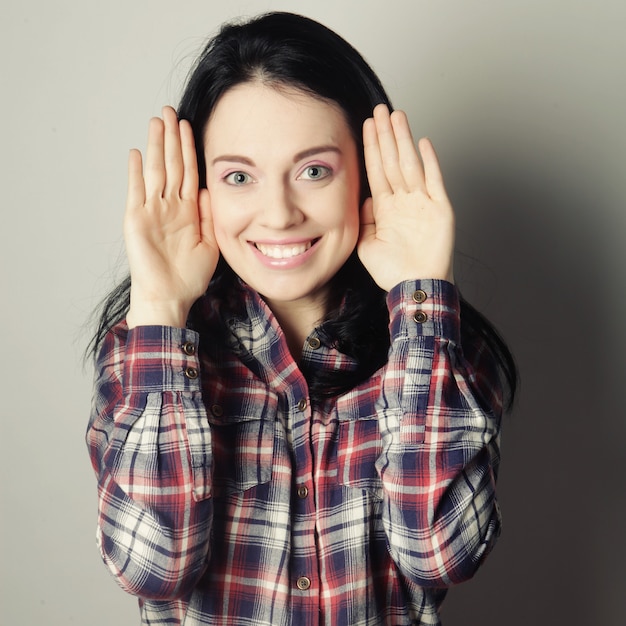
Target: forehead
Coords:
[[255, 117]]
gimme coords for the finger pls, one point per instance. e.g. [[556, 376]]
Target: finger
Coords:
[[388, 148], [408, 158], [376, 176], [172, 152], [432, 172], [154, 173], [136, 194], [189, 186]]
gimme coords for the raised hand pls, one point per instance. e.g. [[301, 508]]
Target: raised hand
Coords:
[[168, 227], [407, 226]]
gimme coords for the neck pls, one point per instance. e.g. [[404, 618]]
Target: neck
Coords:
[[297, 320]]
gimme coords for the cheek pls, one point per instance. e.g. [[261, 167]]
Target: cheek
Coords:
[[353, 234], [353, 213], [225, 227], [352, 219], [228, 218]]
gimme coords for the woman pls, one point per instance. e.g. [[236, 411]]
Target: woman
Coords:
[[296, 419]]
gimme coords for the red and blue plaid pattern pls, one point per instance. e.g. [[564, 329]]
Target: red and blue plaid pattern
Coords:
[[227, 499]]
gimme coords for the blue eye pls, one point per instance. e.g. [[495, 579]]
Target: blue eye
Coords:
[[238, 178], [315, 172]]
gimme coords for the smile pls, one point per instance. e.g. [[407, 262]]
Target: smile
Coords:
[[284, 251]]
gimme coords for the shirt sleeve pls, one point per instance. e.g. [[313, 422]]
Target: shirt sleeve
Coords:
[[149, 442], [439, 417]]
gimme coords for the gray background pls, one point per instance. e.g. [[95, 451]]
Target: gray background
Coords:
[[525, 102]]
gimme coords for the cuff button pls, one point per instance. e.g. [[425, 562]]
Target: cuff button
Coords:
[[188, 348], [191, 373], [419, 296]]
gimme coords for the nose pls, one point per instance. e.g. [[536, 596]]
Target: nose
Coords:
[[279, 209]]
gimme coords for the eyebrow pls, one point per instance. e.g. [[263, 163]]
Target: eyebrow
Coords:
[[238, 158], [316, 150]]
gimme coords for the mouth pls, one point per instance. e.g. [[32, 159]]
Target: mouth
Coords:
[[284, 251]]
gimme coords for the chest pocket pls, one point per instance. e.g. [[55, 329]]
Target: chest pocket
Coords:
[[242, 429], [359, 443]]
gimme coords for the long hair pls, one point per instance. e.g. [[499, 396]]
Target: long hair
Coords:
[[287, 50]]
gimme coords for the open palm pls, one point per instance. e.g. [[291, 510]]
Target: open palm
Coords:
[[168, 228], [407, 226]]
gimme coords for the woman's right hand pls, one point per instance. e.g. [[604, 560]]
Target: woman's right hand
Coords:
[[168, 227]]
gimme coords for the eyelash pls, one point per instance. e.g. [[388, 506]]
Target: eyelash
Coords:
[[325, 172], [229, 178]]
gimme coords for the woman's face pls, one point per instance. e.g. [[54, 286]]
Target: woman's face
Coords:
[[283, 177]]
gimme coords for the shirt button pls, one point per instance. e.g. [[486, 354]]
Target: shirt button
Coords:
[[303, 583], [191, 373], [188, 348], [419, 296], [302, 404], [420, 317], [314, 343], [217, 410], [303, 491]]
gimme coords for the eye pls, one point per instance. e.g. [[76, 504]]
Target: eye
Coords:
[[238, 178], [315, 172]]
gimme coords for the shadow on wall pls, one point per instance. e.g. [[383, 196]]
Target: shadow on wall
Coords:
[[544, 281]]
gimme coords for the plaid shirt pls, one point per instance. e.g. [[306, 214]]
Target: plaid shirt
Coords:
[[226, 498]]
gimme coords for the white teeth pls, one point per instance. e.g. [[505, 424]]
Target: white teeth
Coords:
[[283, 252]]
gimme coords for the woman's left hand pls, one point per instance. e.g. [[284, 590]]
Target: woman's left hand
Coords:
[[407, 226]]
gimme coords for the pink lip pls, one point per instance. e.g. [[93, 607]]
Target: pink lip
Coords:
[[285, 263]]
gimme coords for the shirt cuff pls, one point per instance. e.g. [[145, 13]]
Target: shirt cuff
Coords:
[[161, 358], [424, 308]]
